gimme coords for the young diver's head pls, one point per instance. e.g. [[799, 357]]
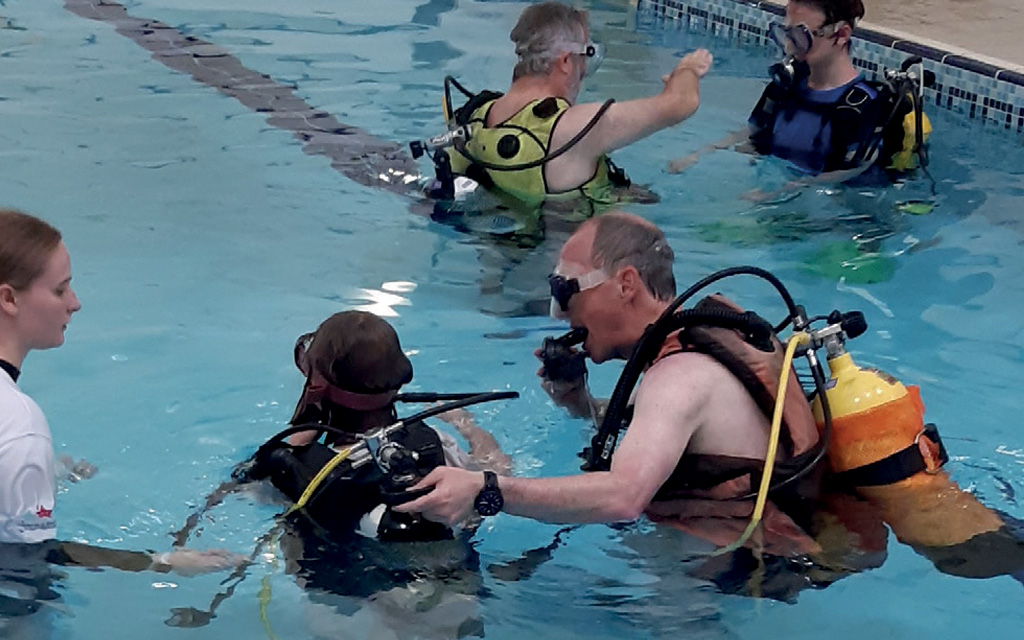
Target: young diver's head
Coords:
[[354, 366], [816, 30]]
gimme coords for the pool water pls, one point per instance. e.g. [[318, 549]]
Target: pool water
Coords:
[[204, 241]]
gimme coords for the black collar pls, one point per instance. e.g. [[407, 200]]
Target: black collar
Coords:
[[10, 369]]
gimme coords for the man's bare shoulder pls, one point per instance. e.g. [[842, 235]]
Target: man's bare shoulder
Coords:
[[681, 383], [685, 368]]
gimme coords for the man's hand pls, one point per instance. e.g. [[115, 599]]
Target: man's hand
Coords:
[[735, 138], [698, 61], [191, 562], [680, 165], [451, 500], [572, 394], [461, 419], [76, 470]]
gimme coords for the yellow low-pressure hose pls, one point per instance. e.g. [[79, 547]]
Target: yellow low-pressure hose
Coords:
[[266, 591], [773, 444], [318, 478]]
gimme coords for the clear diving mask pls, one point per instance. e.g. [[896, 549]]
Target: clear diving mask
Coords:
[[563, 289], [591, 51], [796, 40]]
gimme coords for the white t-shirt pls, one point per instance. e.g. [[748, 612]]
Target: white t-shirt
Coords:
[[27, 475]]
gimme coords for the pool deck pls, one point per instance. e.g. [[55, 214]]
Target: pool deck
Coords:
[[986, 30]]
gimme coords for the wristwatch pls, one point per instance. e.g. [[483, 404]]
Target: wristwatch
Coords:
[[489, 501]]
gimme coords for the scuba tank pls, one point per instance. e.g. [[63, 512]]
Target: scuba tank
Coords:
[[881, 447], [878, 432], [873, 416]]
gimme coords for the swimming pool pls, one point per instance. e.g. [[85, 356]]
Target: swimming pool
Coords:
[[204, 240]]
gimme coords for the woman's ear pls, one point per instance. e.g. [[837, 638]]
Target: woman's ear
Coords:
[[8, 303]]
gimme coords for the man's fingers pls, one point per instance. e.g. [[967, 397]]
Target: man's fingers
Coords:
[[413, 506], [428, 481]]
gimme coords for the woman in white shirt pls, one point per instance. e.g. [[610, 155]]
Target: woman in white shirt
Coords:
[[36, 305]]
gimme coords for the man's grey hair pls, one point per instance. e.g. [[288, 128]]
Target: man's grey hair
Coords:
[[622, 240], [543, 33]]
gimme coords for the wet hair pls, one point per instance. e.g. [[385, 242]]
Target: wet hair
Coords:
[[848, 11], [542, 32], [622, 240], [358, 351], [26, 244]]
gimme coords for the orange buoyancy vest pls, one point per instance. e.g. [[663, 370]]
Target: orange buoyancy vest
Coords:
[[723, 477]]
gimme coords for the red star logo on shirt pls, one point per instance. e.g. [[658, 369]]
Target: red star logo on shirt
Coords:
[[43, 512]]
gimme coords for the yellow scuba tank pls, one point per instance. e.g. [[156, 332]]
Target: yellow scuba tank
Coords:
[[877, 422], [906, 158], [873, 417]]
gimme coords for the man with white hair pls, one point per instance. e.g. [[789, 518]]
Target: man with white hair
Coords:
[[534, 142]]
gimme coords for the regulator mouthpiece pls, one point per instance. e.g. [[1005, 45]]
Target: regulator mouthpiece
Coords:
[[561, 361]]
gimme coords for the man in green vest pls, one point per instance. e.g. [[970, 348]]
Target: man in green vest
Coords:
[[534, 142]]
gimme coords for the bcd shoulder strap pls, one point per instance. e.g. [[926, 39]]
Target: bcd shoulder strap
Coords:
[[464, 113]]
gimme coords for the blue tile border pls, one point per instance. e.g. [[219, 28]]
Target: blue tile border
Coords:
[[962, 85]]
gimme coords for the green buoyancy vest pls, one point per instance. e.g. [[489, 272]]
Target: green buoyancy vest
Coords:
[[523, 138]]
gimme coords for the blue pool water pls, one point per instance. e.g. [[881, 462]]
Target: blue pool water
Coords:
[[205, 240]]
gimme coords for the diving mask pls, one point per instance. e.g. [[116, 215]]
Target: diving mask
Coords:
[[797, 39], [592, 51], [563, 289]]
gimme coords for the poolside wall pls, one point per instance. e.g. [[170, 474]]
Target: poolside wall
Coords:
[[974, 88]]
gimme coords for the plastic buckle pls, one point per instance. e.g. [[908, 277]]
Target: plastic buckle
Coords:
[[931, 449]]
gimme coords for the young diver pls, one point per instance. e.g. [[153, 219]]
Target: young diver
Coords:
[[354, 368], [820, 113], [346, 458]]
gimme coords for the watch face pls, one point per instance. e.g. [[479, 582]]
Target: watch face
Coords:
[[489, 502]]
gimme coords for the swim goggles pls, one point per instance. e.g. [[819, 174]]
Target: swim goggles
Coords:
[[797, 39], [592, 51], [563, 289]]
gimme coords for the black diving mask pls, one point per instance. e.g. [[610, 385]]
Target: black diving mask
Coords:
[[563, 289]]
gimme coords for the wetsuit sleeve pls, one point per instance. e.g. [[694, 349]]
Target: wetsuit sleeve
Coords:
[[74, 554]]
